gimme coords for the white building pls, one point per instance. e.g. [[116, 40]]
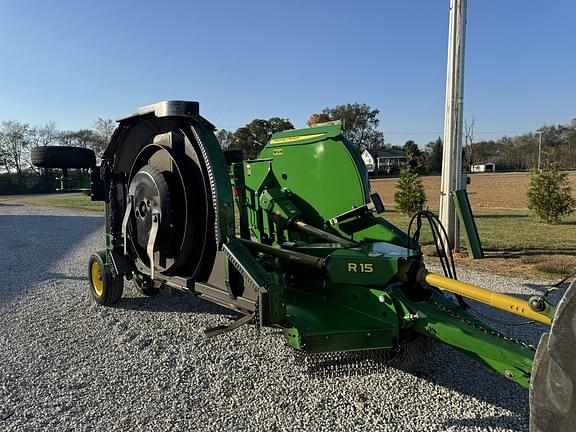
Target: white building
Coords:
[[486, 167]]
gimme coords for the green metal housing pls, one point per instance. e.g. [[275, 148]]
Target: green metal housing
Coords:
[[356, 301]]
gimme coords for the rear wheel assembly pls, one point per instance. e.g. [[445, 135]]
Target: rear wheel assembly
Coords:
[[104, 287], [167, 219], [167, 187]]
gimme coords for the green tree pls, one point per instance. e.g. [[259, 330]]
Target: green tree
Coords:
[[252, 137], [550, 195], [434, 155], [415, 157], [360, 124], [225, 138], [410, 196]]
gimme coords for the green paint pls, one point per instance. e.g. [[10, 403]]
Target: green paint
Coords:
[[467, 220], [467, 334]]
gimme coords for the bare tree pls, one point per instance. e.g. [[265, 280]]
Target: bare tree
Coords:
[[14, 145], [85, 138], [104, 129], [469, 138], [43, 136]]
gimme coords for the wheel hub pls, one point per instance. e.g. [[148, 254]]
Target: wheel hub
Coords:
[[151, 194]]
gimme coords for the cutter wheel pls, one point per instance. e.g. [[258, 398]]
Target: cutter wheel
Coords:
[[295, 240]]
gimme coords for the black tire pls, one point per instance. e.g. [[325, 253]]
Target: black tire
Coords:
[[105, 288], [62, 157]]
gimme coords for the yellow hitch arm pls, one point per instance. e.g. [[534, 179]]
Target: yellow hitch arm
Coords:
[[497, 300]]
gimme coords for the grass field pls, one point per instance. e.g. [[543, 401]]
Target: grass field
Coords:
[[512, 230], [515, 241], [76, 201]]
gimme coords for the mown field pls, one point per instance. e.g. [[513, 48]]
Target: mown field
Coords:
[[515, 241], [492, 190]]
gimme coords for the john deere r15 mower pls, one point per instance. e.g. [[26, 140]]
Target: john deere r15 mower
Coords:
[[293, 240]]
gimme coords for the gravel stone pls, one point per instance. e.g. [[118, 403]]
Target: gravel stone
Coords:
[[145, 364]]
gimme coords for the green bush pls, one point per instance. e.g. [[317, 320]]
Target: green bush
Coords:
[[550, 195], [27, 182], [410, 195]]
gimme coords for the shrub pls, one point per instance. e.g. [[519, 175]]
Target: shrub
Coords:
[[409, 196], [550, 195]]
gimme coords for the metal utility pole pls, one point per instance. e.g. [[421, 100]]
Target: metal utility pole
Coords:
[[453, 116]]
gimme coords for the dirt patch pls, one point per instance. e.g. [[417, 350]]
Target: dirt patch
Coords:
[[542, 267], [492, 190], [527, 264], [505, 193]]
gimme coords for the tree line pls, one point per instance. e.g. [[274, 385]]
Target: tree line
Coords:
[[360, 127], [557, 145], [518, 153]]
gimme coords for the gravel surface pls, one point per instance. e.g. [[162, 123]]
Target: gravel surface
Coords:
[[68, 364]]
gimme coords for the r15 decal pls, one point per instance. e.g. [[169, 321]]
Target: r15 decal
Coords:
[[360, 267]]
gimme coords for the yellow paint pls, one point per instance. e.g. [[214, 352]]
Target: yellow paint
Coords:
[[278, 152], [367, 268], [97, 279], [500, 301], [294, 138]]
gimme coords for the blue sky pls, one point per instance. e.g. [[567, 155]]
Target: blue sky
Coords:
[[74, 61]]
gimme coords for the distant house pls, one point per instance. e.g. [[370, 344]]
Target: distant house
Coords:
[[485, 167], [384, 160], [389, 160]]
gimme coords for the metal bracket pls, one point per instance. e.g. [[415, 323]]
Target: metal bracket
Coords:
[[215, 331], [152, 239], [375, 205], [125, 223], [119, 264]]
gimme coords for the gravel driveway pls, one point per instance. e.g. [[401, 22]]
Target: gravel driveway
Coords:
[[68, 364]]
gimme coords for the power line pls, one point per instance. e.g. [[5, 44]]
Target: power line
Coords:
[[440, 133]]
